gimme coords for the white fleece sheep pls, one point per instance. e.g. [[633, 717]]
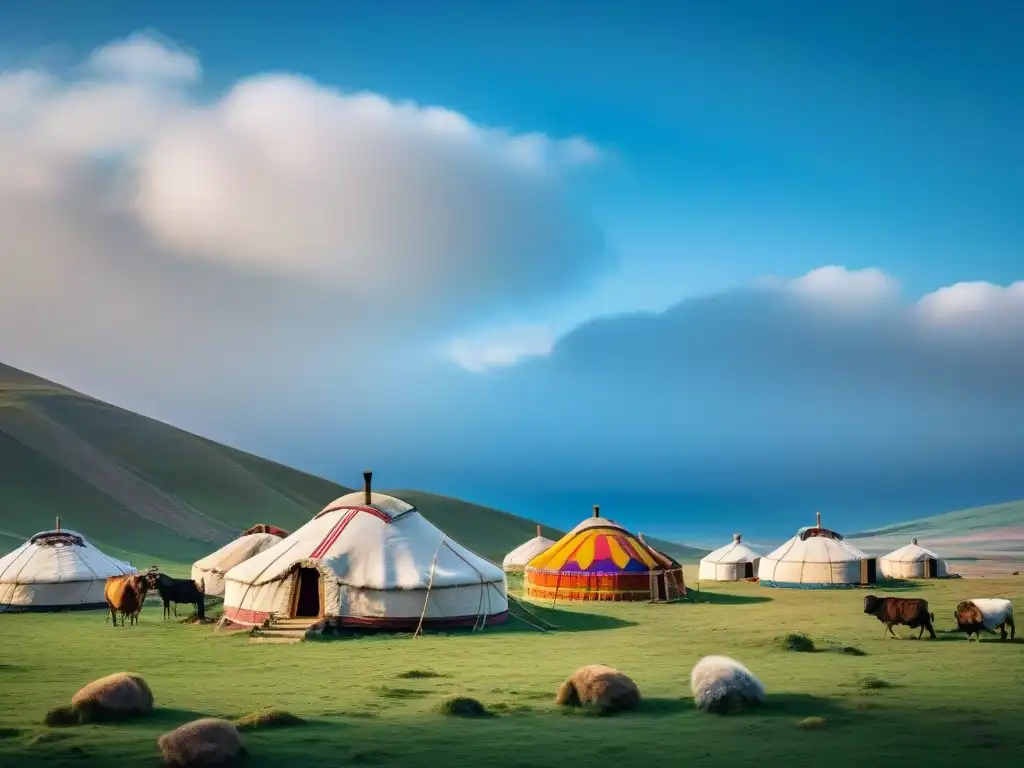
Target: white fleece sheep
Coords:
[[990, 613], [721, 685]]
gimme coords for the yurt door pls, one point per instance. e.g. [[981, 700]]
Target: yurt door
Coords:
[[748, 570], [931, 568], [869, 571], [306, 603]]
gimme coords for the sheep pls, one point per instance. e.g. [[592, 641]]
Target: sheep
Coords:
[[723, 685], [115, 697], [602, 688], [203, 742], [989, 613]]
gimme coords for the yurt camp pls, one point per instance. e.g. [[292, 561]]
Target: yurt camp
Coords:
[[733, 562], [600, 560], [912, 561], [516, 560], [56, 570], [817, 558], [251, 542], [370, 560]]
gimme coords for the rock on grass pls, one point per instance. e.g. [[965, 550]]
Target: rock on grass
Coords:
[[812, 723]]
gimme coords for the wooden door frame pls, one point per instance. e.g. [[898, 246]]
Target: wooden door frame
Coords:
[[297, 589]]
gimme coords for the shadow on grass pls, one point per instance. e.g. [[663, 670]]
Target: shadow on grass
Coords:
[[523, 616], [172, 717], [723, 598], [897, 585], [659, 706], [953, 635], [791, 705]]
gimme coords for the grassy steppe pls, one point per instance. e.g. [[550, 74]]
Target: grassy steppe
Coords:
[[372, 700]]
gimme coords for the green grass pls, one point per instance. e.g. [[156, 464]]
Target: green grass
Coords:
[[375, 700]]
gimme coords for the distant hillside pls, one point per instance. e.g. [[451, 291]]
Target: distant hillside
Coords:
[[981, 539], [150, 492]]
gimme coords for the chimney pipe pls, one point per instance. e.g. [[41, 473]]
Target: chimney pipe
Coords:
[[58, 523], [538, 531], [597, 510], [736, 537], [367, 482], [818, 517], [913, 541]]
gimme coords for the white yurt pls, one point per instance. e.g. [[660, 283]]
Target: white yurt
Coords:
[[516, 560], [368, 559], [251, 542], [816, 558], [733, 562], [912, 562], [56, 570]]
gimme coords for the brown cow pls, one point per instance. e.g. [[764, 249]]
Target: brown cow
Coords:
[[126, 594], [890, 611]]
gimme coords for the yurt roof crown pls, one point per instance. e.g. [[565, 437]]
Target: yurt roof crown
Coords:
[[817, 530], [386, 513], [57, 536]]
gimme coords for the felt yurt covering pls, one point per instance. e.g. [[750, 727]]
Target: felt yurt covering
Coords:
[[516, 560], [368, 559], [57, 570], [733, 562], [912, 561], [600, 560], [816, 558], [211, 569]]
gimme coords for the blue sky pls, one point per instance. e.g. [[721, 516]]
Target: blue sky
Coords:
[[737, 140]]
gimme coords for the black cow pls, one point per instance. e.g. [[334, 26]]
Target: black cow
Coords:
[[180, 591], [890, 611]]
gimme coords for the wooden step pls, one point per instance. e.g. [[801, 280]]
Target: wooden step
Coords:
[[285, 631]]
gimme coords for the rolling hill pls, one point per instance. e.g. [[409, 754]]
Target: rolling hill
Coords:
[[152, 493], [980, 540]]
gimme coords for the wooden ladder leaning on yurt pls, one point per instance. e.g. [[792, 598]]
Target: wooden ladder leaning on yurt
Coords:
[[667, 586]]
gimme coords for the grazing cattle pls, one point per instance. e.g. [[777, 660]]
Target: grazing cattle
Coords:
[[989, 613], [913, 612], [180, 591], [125, 595]]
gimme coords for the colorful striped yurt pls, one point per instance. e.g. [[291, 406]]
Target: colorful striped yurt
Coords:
[[601, 560]]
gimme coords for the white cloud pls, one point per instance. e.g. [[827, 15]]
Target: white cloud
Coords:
[[159, 243], [501, 349], [841, 288], [143, 56], [286, 176], [973, 302]]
